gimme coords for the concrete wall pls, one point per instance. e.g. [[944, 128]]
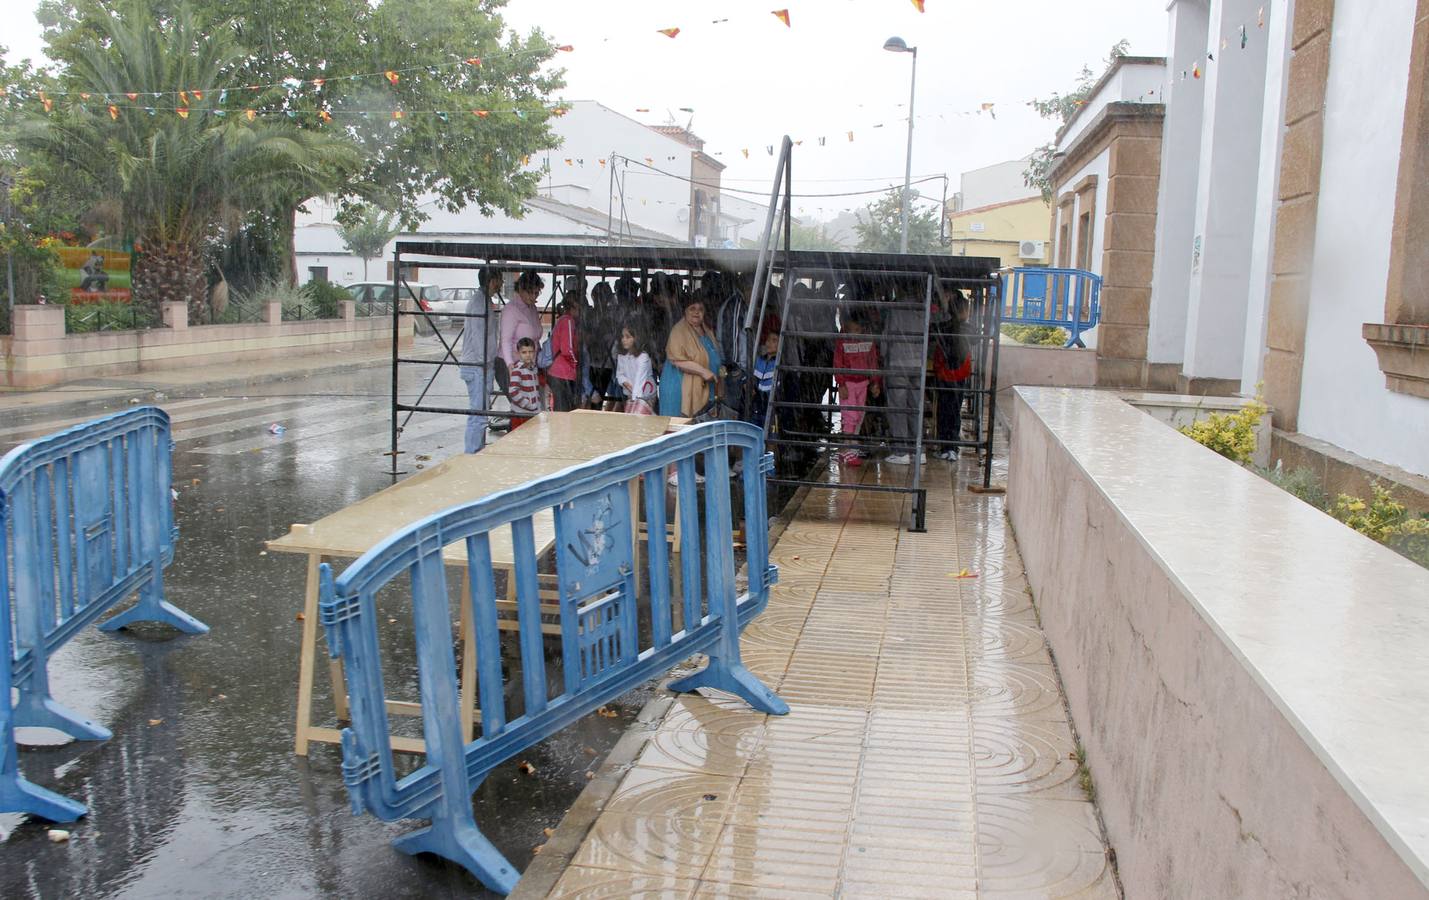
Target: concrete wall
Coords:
[[40, 353], [1343, 398], [1239, 666], [1044, 366]]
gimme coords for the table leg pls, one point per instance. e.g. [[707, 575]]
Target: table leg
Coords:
[[468, 662], [306, 657]]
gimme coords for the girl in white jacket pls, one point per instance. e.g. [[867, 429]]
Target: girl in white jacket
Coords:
[[634, 374]]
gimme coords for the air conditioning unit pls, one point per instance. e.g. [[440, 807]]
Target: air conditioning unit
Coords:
[[1032, 249]]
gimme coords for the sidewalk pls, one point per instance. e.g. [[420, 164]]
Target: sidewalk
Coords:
[[119, 389], [927, 751]]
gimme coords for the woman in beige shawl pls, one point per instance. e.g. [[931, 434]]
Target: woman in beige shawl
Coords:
[[692, 364]]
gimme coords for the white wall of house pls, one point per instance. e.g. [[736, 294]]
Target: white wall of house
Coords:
[[1267, 200], [1343, 396], [997, 183], [1176, 200], [591, 132], [1130, 83], [1226, 193]]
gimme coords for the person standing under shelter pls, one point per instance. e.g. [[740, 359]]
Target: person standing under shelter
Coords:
[[478, 349], [519, 319], [903, 354]]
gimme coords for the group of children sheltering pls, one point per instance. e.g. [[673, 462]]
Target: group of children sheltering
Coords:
[[876, 359], [680, 352]]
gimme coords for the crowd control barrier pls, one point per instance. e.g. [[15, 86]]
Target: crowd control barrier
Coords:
[[1042, 295], [87, 520], [603, 650]]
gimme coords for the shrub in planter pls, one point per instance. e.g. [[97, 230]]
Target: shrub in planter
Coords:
[[324, 297], [1232, 435], [1042, 335]]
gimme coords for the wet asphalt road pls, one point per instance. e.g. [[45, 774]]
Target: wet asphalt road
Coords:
[[199, 792]]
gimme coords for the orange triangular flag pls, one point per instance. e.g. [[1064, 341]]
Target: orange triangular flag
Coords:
[[198, 95], [183, 112], [324, 115], [565, 48], [250, 114], [482, 113], [473, 60], [184, 97], [391, 76], [918, 5], [850, 137], [745, 151], [113, 112], [569, 162], [132, 96], [397, 113], [670, 32], [783, 16]]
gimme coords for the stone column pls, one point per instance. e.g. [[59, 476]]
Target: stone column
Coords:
[[1225, 203], [1289, 307], [347, 311], [273, 312], [1129, 244]]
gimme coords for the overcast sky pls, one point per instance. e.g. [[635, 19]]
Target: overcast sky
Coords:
[[751, 80]]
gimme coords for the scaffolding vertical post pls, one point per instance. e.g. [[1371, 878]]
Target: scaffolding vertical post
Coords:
[[994, 307], [396, 302], [919, 495]]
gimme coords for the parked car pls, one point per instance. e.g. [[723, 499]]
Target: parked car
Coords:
[[453, 303], [374, 298]]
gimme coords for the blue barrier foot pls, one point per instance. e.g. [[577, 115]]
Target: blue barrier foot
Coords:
[[736, 680], [19, 795], [46, 712], [465, 845], [162, 611]]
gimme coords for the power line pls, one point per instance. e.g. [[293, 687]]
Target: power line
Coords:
[[882, 190]]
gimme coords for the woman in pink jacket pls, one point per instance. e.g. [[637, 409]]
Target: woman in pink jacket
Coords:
[[519, 319]]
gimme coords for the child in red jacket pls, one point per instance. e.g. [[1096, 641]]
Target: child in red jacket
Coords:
[[856, 350], [952, 364]]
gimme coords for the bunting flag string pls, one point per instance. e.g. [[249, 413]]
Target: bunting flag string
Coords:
[[783, 16]]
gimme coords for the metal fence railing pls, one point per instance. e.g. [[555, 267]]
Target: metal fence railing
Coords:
[[1058, 297]]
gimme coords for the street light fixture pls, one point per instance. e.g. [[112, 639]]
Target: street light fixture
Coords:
[[898, 45]]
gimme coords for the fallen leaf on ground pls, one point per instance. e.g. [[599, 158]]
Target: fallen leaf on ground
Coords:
[[526, 767], [194, 481], [590, 751], [607, 712], [58, 835], [423, 457], [536, 850], [301, 617], [549, 832], [262, 552], [156, 721], [589, 775]]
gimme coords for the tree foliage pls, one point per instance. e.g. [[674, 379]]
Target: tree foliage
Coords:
[[879, 227], [304, 53], [365, 233], [812, 237], [177, 180], [1060, 108]]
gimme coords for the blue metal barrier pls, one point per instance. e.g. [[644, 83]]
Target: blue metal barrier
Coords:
[[1064, 298], [86, 521], [602, 652]]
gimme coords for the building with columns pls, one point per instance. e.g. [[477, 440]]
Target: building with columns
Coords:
[[1284, 251]]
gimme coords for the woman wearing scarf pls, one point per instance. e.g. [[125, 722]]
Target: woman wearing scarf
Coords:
[[692, 364]]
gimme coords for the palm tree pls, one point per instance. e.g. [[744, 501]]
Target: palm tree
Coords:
[[186, 167]]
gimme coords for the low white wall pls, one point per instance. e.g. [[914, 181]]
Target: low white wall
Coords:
[[1247, 674]]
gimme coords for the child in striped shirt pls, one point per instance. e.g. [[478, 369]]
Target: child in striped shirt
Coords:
[[523, 392]]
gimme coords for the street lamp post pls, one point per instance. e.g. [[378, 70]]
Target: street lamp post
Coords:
[[897, 45]]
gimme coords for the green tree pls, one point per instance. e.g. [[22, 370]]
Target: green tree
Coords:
[[177, 180], [879, 227], [812, 237], [1060, 108], [366, 232], [305, 54]]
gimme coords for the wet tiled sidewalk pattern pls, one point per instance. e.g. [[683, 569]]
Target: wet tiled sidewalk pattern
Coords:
[[927, 751]]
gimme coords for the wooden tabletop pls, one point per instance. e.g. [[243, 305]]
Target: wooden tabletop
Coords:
[[547, 444]]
